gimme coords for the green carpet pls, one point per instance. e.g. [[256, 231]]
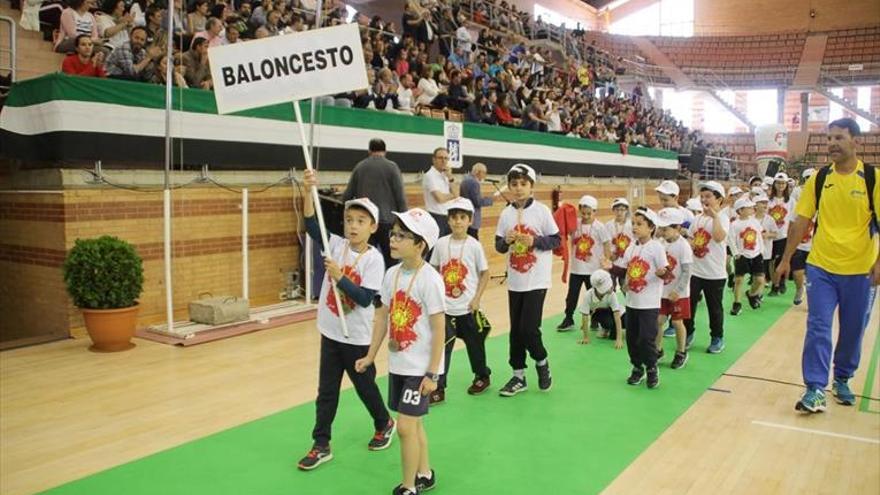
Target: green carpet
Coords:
[[575, 439]]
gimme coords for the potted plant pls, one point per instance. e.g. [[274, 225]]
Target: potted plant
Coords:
[[104, 277]]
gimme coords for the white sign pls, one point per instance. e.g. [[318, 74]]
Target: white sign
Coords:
[[290, 67], [453, 132]]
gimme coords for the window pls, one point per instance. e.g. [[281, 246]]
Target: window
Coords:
[[835, 111], [663, 18], [716, 118], [761, 106], [863, 101], [555, 18], [680, 104]]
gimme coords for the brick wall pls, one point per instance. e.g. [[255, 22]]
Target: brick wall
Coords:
[[37, 229]]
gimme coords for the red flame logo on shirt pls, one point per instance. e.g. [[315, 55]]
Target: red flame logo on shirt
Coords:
[[701, 242], [522, 258], [454, 273], [778, 214], [637, 274], [404, 314], [750, 238], [621, 241], [348, 303], [670, 276], [583, 247]]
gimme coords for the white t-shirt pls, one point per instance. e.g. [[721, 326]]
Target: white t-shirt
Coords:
[[105, 22], [806, 243], [434, 180], [768, 225], [747, 236], [677, 253], [591, 303], [780, 210], [460, 264], [644, 288], [365, 270], [621, 236], [588, 247], [409, 323], [528, 268], [710, 257]]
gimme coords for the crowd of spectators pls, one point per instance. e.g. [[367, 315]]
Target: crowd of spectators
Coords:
[[476, 60]]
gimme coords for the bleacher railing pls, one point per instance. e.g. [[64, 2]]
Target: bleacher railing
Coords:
[[7, 49]]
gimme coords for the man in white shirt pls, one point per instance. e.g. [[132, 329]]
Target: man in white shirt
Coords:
[[437, 185]]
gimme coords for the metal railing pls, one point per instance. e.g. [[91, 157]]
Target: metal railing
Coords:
[[7, 50]]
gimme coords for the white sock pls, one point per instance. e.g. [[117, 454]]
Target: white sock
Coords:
[[542, 362], [519, 374], [428, 475]]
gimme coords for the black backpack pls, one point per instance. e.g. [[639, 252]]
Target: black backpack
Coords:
[[870, 178]]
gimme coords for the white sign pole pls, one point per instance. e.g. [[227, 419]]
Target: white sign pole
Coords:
[[307, 155]]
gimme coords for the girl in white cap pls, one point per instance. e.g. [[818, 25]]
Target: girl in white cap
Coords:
[[591, 250], [412, 314], [528, 234], [621, 231], [780, 208]]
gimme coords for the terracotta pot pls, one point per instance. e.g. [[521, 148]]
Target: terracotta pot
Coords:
[[111, 330]]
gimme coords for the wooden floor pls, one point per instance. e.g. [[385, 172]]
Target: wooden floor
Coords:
[[66, 412]]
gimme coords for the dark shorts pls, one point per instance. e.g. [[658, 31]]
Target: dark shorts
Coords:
[[778, 247], [404, 396], [743, 266], [678, 310], [799, 260]]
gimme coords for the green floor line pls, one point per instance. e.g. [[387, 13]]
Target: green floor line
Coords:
[[575, 439], [865, 403]]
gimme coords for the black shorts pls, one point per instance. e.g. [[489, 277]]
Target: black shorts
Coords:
[[778, 248], [743, 266], [404, 396], [799, 260]]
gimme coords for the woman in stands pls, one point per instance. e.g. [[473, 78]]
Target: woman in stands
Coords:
[[76, 20]]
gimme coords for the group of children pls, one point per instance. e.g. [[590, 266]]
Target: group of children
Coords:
[[664, 263]]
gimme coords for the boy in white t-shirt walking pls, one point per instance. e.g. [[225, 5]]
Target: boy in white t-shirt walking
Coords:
[[412, 313], [591, 249], [357, 269], [676, 304], [462, 263], [600, 305], [528, 234], [748, 246], [645, 266], [769, 232]]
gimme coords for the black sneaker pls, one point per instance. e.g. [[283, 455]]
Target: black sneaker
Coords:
[[545, 381], [513, 386], [317, 456], [382, 438], [566, 325], [638, 374], [754, 302], [660, 353], [737, 309], [424, 484], [773, 292], [400, 490], [653, 377], [680, 359], [782, 288]]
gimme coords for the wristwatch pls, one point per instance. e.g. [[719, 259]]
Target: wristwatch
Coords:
[[434, 377]]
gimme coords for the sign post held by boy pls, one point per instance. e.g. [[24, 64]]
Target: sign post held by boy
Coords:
[[290, 68]]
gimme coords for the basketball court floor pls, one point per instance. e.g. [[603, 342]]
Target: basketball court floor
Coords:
[[234, 416]]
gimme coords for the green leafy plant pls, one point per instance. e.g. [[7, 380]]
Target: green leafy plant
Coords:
[[103, 273]]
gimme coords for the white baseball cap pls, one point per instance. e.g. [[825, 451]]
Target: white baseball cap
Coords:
[[743, 202], [366, 204], [522, 168], [768, 181], [808, 172], [668, 187], [601, 281], [420, 222], [734, 190], [587, 200], [650, 215], [781, 176], [619, 202], [694, 204], [712, 186], [760, 197], [756, 191], [459, 204], [670, 216]]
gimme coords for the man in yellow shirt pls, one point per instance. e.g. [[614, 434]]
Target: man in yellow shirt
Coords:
[[843, 267]]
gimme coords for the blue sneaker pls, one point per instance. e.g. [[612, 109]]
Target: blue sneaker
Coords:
[[841, 391], [689, 341], [669, 332], [716, 346], [812, 401]]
